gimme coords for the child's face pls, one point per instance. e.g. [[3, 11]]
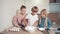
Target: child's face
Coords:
[[34, 11], [43, 14], [23, 11]]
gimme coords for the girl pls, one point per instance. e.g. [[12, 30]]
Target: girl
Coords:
[[44, 21]]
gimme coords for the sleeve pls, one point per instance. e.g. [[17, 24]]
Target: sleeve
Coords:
[[49, 23], [27, 17]]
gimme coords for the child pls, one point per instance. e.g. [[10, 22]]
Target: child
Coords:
[[18, 20], [44, 21], [32, 20]]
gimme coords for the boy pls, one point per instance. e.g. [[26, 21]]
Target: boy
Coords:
[[32, 20], [18, 20]]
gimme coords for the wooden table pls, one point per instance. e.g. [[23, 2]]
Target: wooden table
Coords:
[[25, 32]]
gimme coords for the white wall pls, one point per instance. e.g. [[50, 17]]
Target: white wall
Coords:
[[8, 9], [41, 4]]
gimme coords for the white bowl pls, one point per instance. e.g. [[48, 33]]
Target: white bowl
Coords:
[[30, 28], [41, 29]]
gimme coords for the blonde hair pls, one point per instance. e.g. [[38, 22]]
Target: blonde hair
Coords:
[[43, 11], [45, 16]]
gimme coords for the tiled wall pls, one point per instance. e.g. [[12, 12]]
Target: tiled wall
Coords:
[[54, 7]]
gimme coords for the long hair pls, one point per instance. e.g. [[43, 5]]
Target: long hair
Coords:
[[43, 11]]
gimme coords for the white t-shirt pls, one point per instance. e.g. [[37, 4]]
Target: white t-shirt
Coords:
[[32, 19]]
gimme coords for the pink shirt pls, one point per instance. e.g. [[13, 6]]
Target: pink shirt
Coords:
[[17, 19]]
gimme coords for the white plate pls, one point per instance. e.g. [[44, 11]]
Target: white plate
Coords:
[[41, 29]]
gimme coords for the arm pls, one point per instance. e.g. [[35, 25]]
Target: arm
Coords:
[[49, 23], [14, 21], [25, 22], [36, 23]]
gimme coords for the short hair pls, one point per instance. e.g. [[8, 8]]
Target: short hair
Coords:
[[35, 7], [22, 7]]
